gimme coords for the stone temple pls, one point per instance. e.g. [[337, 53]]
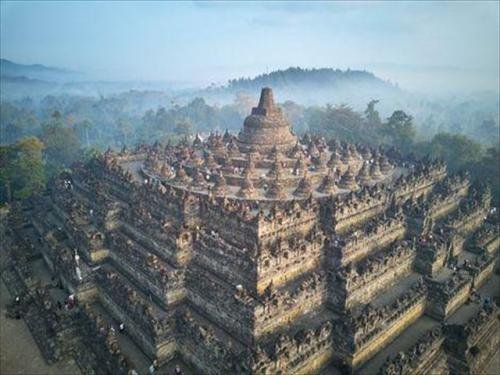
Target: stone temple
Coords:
[[261, 253]]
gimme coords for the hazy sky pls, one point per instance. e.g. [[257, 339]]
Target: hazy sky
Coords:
[[408, 42]]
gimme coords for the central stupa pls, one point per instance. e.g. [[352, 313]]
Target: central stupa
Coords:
[[266, 128]]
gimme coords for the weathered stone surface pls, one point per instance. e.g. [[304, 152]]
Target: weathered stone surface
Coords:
[[252, 254], [266, 128]]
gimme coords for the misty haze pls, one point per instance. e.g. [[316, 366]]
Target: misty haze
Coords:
[[249, 187]]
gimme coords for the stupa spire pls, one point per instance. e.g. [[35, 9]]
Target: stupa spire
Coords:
[[266, 99]]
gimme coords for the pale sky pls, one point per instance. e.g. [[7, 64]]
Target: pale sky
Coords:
[[214, 41]]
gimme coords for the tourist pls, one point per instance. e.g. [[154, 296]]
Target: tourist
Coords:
[[475, 297], [102, 330], [177, 370], [487, 302], [122, 327], [70, 302], [78, 274], [153, 367]]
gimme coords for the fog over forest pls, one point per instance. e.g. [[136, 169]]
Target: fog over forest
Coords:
[[250, 187], [421, 77]]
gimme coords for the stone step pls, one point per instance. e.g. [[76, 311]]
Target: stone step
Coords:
[[490, 290], [400, 344], [127, 345], [311, 320], [394, 322]]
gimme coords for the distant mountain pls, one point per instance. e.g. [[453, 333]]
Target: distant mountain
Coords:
[[20, 86], [310, 87], [292, 77], [36, 71], [304, 86], [36, 81]]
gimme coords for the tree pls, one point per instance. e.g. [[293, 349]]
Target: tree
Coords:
[[202, 115], [29, 177], [373, 124], [6, 160], [487, 131], [486, 170], [400, 130], [148, 125], [62, 147], [455, 149], [340, 121], [372, 116], [183, 128], [85, 127], [16, 122], [244, 103], [126, 130], [295, 114], [230, 118], [22, 172]]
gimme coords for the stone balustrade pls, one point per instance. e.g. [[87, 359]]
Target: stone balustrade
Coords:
[[155, 323], [417, 357], [361, 242], [281, 307], [445, 296], [361, 282], [359, 335]]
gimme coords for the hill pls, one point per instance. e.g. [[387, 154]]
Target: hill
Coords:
[[312, 77], [305, 86], [310, 86], [38, 72], [22, 86]]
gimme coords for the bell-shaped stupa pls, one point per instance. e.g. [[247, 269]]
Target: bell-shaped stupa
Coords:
[[266, 128]]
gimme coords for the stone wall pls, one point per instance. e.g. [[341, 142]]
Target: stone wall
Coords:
[[268, 285], [424, 357], [359, 336], [229, 307], [209, 350], [282, 307], [445, 297], [361, 282], [471, 346], [375, 235]]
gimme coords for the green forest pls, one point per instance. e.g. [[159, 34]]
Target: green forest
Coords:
[[39, 141], [42, 136]]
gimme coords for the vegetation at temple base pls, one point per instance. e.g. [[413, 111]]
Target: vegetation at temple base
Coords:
[[62, 146], [400, 131], [22, 173], [486, 170], [69, 126], [457, 150]]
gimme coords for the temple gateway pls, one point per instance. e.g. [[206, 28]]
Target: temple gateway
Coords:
[[261, 253]]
